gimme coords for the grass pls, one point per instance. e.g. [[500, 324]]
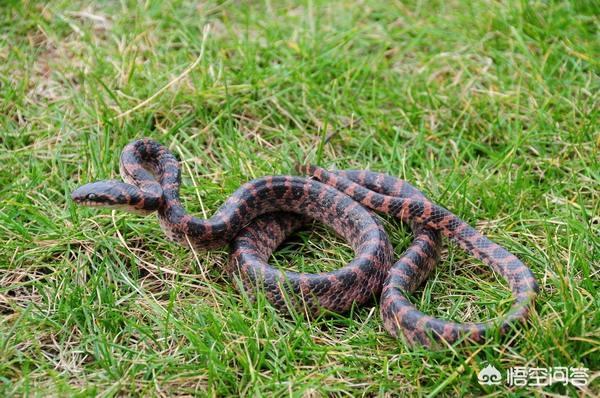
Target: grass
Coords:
[[490, 108]]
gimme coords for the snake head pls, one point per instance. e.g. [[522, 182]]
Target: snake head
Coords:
[[116, 194]]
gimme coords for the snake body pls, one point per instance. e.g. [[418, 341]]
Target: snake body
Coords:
[[262, 213]]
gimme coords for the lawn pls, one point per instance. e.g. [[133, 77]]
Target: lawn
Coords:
[[490, 108]]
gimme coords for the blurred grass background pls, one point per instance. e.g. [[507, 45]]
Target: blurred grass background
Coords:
[[490, 108]]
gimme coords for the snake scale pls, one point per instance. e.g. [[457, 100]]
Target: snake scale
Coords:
[[262, 213]]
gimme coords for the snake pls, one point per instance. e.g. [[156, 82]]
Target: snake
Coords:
[[262, 213]]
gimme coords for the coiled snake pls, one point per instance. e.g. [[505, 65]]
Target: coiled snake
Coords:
[[262, 213]]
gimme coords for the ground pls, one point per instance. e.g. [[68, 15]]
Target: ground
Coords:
[[490, 108]]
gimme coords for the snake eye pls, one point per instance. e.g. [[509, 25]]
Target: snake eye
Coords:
[[91, 196]]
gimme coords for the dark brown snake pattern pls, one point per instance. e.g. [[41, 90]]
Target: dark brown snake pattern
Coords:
[[262, 213]]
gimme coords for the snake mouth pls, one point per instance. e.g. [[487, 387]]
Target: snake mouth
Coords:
[[89, 203]]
